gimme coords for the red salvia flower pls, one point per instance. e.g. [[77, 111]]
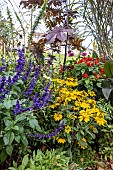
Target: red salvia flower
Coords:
[[102, 70], [85, 75]]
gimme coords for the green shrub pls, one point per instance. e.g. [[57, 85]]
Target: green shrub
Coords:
[[43, 161]]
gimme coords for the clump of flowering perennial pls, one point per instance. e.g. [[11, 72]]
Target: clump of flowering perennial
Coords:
[[48, 136], [18, 107], [6, 84], [3, 89], [19, 67], [71, 82], [79, 106], [38, 102], [28, 71]]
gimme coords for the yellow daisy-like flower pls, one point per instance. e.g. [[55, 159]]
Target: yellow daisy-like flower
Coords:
[[100, 121], [91, 93], [61, 140], [70, 79], [57, 116], [67, 129], [54, 105]]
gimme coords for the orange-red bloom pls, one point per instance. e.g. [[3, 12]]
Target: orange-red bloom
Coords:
[[85, 75]]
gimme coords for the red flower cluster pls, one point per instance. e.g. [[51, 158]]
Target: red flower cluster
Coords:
[[89, 61], [85, 75], [102, 70], [99, 75]]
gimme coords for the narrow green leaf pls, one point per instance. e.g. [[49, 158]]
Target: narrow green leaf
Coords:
[[11, 138], [25, 160], [11, 168], [24, 140], [91, 134], [78, 136], [38, 128]]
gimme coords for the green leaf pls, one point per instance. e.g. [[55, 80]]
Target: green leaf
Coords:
[[20, 117], [33, 123], [78, 136], [69, 138], [32, 165], [14, 164], [38, 128], [7, 103], [108, 68], [14, 102], [16, 88], [7, 121], [20, 82], [82, 132], [91, 134], [13, 92], [87, 81], [9, 149], [3, 155], [11, 168], [17, 138], [82, 143], [11, 138], [25, 160], [99, 84], [24, 140], [83, 71], [16, 128], [6, 139], [91, 68]]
